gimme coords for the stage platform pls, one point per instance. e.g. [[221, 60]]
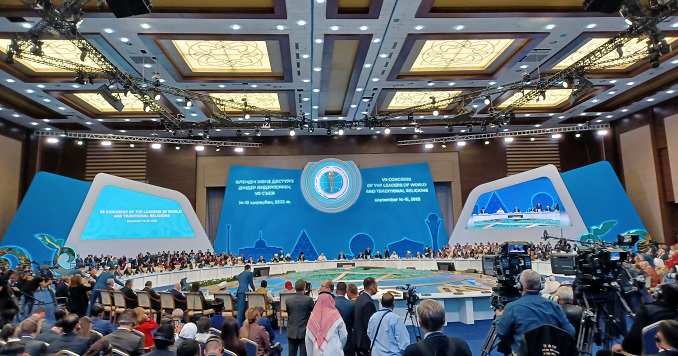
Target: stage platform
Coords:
[[464, 295]]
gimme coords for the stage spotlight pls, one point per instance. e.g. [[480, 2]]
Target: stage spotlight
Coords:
[[450, 128], [583, 87], [483, 126], [10, 57], [257, 132], [247, 116], [488, 100], [417, 128], [110, 98], [80, 78], [568, 82], [189, 103], [90, 79], [83, 54], [292, 132], [435, 112], [267, 118], [238, 133], [156, 95], [387, 130], [329, 132], [469, 127], [410, 117], [147, 108], [36, 47], [341, 131]]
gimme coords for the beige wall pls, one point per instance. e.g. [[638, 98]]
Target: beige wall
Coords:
[[671, 126], [213, 170], [10, 176], [640, 178]]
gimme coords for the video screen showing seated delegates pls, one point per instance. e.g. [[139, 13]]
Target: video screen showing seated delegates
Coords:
[[329, 207], [120, 213], [529, 204]]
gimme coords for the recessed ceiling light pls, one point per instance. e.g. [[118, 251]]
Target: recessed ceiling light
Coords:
[[108, 30], [34, 123], [305, 80], [317, 69], [10, 80], [429, 145], [492, 83], [354, 106], [358, 89], [599, 113], [375, 79], [363, 28], [221, 86], [124, 39], [675, 61], [419, 28], [609, 116], [594, 100], [30, 91], [505, 130], [235, 26], [305, 99], [194, 114], [45, 120], [561, 117], [507, 139], [305, 56], [26, 25], [46, 100], [459, 28], [527, 115], [76, 86], [612, 92], [650, 99], [318, 40], [320, 1], [240, 149], [675, 25], [376, 40], [365, 100], [88, 122], [625, 110], [612, 81], [537, 125], [550, 26], [599, 120], [591, 25], [316, 90], [254, 86], [451, 83], [334, 28], [670, 91], [62, 108], [315, 107], [123, 131], [48, 129], [630, 83], [41, 86], [430, 84], [383, 55], [583, 114], [524, 66], [148, 65], [280, 27], [145, 26], [367, 65], [100, 120], [551, 114], [126, 120], [301, 22]]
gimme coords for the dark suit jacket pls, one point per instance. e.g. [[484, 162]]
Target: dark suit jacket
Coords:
[[646, 315], [34, 347], [102, 326], [71, 342], [299, 308], [449, 346], [267, 325], [180, 299], [155, 297], [347, 310], [364, 309], [126, 341], [245, 279], [132, 301], [48, 336], [157, 352]]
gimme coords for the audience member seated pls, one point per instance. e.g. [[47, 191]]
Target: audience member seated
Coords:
[[253, 331], [187, 332], [178, 320], [86, 330], [98, 323], [155, 297], [213, 346], [217, 320], [266, 324], [664, 308], [49, 336], [188, 348], [124, 339], [263, 289], [432, 320], [528, 312], [667, 338], [179, 298], [13, 348], [69, 340], [203, 324], [145, 324], [9, 333], [100, 348], [195, 288], [566, 301], [163, 339], [29, 330], [230, 335], [131, 298]]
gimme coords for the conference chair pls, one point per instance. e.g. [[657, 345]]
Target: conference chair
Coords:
[[144, 300], [558, 340], [98, 334], [120, 303], [215, 331], [229, 353], [649, 345], [251, 347], [166, 303], [107, 304], [118, 353], [68, 353], [230, 310], [255, 300], [283, 308], [194, 305]]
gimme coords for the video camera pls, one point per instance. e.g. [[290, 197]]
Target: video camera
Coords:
[[410, 295], [512, 259]]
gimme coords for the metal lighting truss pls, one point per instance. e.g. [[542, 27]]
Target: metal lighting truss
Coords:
[[132, 139], [482, 136]]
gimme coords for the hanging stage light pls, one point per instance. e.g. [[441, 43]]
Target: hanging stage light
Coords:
[[469, 127], [80, 78], [568, 82], [341, 131], [329, 132], [387, 130], [267, 118], [156, 94], [257, 132], [410, 117], [147, 108], [238, 133], [247, 116], [83, 54], [292, 132], [189, 103], [488, 100], [435, 112]]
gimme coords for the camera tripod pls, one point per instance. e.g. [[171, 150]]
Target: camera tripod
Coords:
[[415, 322], [599, 322]]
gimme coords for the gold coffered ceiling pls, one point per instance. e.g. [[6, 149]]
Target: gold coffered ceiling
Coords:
[[61, 49], [224, 56], [406, 99], [459, 55], [268, 101], [98, 103], [554, 97]]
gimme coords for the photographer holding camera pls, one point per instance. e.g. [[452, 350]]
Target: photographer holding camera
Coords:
[[528, 312]]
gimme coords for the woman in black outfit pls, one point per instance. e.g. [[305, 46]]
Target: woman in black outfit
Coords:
[[78, 299], [230, 335]]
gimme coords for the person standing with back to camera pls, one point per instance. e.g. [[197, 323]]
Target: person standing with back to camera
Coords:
[[245, 284], [299, 307]]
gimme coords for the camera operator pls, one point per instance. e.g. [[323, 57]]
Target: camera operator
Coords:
[[664, 308], [528, 312], [573, 312], [7, 288]]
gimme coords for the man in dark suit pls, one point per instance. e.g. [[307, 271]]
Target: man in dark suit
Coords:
[[163, 339], [245, 284], [70, 340], [101, 284], [364, 308], [131, 298], [155, 297], [124, 339], [667, 338], [98, 323], [29, 329], [299, 307], [347, 310], [432, 319], [179, 298]]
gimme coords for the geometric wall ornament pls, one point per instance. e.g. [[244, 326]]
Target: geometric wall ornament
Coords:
[[203, 56], [406, 99], [459, 55], [61, 49]]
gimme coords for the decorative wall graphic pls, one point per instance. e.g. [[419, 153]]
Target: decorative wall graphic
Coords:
[[260, 248], [433, 222], [331, 185], [403, 246], [457, 55], [304, 245], [360, 243]]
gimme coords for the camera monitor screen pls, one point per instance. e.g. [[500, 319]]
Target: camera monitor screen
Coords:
[[614, 256], [517, 249], [488, 265]]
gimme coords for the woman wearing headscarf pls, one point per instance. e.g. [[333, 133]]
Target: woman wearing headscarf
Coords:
[[187, 333], [326, 331]]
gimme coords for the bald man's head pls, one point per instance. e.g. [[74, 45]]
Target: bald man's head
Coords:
[[177, 286], [387, 300]]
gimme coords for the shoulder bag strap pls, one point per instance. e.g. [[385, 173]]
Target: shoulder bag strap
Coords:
[[377, 333]]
